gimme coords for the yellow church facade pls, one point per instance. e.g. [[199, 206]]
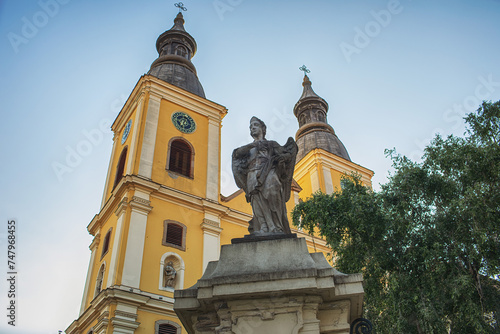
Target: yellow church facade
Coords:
[[163, 217]]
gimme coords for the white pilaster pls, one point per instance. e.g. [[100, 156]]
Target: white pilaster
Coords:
[[125, 319], [327, 176], [213, 160], [149, 139], [106, 185], [135, 136], [132, 266], [315, 180], [93, 248], [113, 265], [211, 239]]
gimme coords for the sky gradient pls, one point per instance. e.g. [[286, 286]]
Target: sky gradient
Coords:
[[393, 72]]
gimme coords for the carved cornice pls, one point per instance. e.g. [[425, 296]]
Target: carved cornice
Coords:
[[95, 242], [102, 323], [124, 314], [140, 204], [211, 226], [122, 206], [124, 325]]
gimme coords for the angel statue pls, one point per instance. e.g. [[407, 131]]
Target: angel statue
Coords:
[[264, 170]]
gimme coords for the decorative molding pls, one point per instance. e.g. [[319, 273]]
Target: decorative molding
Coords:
[[140, 204], [211, 222], [122, 206], [124, 326], [124, 314], [95, 243], [102, 324], [211, 226]]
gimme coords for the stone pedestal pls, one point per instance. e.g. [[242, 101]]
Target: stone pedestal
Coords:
[[270, 286]]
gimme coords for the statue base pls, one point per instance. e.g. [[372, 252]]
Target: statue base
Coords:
[[263, 237], [270, 286]]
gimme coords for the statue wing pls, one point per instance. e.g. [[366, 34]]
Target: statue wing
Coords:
[[240, 169], [287, 166]]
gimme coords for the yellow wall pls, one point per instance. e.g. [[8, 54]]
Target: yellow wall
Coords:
[[198, 139], [154, 250]]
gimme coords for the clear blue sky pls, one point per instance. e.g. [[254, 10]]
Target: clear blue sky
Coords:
[[393, 72]]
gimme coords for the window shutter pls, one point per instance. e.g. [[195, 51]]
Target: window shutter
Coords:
[[180, 158], [167, 329], [174, 234]]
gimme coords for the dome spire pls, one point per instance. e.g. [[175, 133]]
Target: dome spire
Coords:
[[314, 130], [175, 48]]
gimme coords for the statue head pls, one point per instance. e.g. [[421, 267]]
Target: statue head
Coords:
[[254, 123]]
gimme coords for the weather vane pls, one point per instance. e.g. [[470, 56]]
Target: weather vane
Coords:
[[181, 7], [304, 69]]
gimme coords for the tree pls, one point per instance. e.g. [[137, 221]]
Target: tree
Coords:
[[427, 243]]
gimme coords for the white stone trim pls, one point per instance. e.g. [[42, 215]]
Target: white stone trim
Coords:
[[106, 184], [327, 176], [135, 133], [180, 272], [213, 160], [93, 248], [113, 265], [315, 183], [132, 266], [320, 156], [149, 138], [211, 239]]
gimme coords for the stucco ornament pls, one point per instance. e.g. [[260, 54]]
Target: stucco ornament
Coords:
[[264, 170]]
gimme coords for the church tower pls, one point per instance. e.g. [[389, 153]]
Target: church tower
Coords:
[[160, 218], [322, 159]]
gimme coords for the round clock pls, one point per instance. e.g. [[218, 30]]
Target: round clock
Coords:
[[126, 131], [183, 122]]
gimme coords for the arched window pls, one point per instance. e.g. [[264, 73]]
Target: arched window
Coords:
[[120, 167], [100, 279], [167, 327], [174, 234], [181, 157], [105, 245], [181, 51]]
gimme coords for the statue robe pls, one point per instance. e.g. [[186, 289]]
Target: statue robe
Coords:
[[264, 170]]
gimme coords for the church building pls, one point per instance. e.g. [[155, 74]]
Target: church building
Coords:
[[162, 217]]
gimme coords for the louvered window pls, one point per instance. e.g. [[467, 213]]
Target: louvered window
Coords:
[[181, 157], [167, 329], [174, 234]]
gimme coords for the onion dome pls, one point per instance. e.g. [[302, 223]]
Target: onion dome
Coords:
[[176, 48], [314, 131]]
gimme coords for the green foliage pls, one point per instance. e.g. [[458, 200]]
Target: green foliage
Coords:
[[428, 243]]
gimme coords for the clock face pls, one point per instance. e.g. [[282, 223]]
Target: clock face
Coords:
[[126, 131], [183, 122]]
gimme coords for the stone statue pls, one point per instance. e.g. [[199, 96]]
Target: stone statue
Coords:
[[170, 274], [264, 170]]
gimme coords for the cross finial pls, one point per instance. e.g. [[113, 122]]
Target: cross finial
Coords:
[[304, 69], [181, 7]]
